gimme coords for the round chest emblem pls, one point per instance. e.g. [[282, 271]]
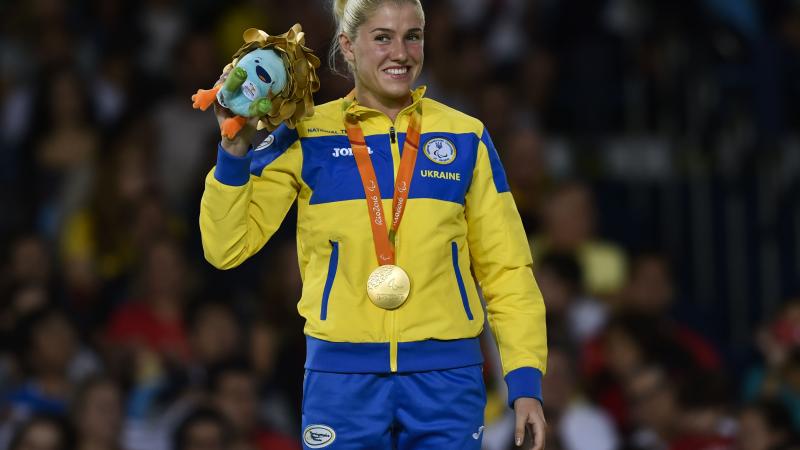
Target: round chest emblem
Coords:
[[440, 151]]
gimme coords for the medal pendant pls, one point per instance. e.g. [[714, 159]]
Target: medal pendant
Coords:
[[388, 286]]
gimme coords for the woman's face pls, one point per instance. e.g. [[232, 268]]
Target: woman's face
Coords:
[[101, 416], [42, 436], [753, 433], [54, 344], [387, 52]]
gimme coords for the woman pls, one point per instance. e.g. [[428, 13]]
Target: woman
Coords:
[[98, 415], [43, 432], [392, 315]]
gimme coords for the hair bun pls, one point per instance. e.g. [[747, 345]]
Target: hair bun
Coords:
[[338, 9]]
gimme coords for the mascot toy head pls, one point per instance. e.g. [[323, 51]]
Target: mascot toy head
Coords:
[[270, 77], [258, 75]]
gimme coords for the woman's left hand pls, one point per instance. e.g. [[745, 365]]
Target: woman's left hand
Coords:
[[529, 415]]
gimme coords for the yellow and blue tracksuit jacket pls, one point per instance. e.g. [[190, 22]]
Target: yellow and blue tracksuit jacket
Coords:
[[460, 217]]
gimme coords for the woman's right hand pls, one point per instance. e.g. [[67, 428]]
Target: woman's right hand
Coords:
[[239, 145]]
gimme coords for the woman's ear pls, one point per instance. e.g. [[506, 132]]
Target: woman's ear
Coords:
[[347, 48]]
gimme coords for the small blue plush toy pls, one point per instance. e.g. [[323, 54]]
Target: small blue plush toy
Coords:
[[250, 85], [270, 77]]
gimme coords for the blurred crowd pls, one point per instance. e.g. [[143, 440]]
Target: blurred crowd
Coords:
[[116, 335]]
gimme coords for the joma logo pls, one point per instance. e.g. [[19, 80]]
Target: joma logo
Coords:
[[346, 151]]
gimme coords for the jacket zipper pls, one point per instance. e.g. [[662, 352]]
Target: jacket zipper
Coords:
[[396, 164], [396, 156], [393, 314]]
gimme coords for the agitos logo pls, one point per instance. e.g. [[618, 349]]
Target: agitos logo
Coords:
[[318, 436]]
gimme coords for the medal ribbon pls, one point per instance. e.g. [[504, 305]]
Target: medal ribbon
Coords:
[[384, 244]]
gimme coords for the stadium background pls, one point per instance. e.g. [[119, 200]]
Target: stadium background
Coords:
[[652, 148]]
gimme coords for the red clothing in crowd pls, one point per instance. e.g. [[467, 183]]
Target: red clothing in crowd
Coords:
[[273, 441], [702, 443], [137, 323]]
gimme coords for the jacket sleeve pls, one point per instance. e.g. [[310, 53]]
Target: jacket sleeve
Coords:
[[246, 198], [501, 260]]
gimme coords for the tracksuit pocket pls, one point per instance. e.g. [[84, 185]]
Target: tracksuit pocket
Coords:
[[461, 288], [333, 263]]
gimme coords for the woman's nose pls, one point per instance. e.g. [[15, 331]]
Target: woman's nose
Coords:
[[399, 51]]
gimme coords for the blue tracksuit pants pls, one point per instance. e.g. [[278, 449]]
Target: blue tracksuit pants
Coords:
[[434, 410]]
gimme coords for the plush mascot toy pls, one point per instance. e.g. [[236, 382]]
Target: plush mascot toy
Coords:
[[270, 77]]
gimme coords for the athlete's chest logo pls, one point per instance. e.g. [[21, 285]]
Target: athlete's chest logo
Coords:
[[440, 151], [346, 151]]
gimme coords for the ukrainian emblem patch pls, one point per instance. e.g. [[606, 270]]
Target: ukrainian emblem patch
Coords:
[[440, 151]]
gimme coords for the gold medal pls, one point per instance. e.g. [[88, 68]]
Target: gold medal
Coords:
[[388, 286]]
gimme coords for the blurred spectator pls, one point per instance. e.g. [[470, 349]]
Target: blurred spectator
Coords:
[[766, 425], [51, 358], [114, 87], [625, 347], [98, 414], [275, 404], [654, 407], [100, 243], [214, 334], [49, 361], [778, 376], [43, 433], [234, 392], [568, 226], [153, 320], [650, 293], [572, 317], [574, 423], [534, 81], [162, 25], [64, 151], [203, 429], [523, 157], [705, 422], [678, 413], [29, 263], [181, 132], [629, 343], [497, 108]]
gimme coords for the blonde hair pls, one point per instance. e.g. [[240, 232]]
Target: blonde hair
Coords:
[[351, 14]]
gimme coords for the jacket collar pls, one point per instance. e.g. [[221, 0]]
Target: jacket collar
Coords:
[[351, 106]]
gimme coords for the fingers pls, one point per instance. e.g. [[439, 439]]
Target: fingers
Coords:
[[252, 122], [519, 429], [538, 433]]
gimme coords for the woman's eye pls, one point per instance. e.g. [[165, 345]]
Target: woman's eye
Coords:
[[413, 37], [382, 38]]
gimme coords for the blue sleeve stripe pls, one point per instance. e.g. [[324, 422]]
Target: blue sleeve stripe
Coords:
[[498, 173], [272, 147], [232, 170], [524, 382]]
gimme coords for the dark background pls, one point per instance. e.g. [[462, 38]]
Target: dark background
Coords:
[[652, 148]]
